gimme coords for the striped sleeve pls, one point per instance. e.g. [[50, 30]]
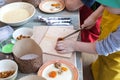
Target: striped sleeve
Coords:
[[109, 45]]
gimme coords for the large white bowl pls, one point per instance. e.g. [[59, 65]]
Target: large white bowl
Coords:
[[8, 65], [15, 10]]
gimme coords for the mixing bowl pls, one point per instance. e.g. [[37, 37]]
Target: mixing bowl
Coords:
[[16, 13]]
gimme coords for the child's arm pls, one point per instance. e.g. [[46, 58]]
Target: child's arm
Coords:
[[104, 47], [73, 5], [68, 46], [91, 20]]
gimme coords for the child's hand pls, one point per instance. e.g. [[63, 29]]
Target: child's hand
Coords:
[[88, 23], [65, 46]]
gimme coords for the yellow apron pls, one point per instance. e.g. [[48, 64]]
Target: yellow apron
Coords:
[[107, 67]]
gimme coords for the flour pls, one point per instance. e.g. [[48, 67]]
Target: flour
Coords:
[[29, 56]]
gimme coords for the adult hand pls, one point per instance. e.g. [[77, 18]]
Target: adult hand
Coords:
[[65, 46]]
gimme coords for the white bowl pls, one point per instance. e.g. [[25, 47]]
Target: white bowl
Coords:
[[8, 65], [32, 77], [16, 13], [23, 32]]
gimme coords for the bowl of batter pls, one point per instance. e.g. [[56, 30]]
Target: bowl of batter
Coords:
[[16, 13]]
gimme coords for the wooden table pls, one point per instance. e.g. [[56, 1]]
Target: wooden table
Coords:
[[76, 57]]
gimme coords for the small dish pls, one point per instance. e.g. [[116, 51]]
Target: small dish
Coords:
[[8, 69], [51, 6], [49, 66], [6, 45], [28, 32]]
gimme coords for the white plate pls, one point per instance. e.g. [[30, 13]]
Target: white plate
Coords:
[[49, 66], [51, 6]]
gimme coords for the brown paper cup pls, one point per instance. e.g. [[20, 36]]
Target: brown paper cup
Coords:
[[28, 55]]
